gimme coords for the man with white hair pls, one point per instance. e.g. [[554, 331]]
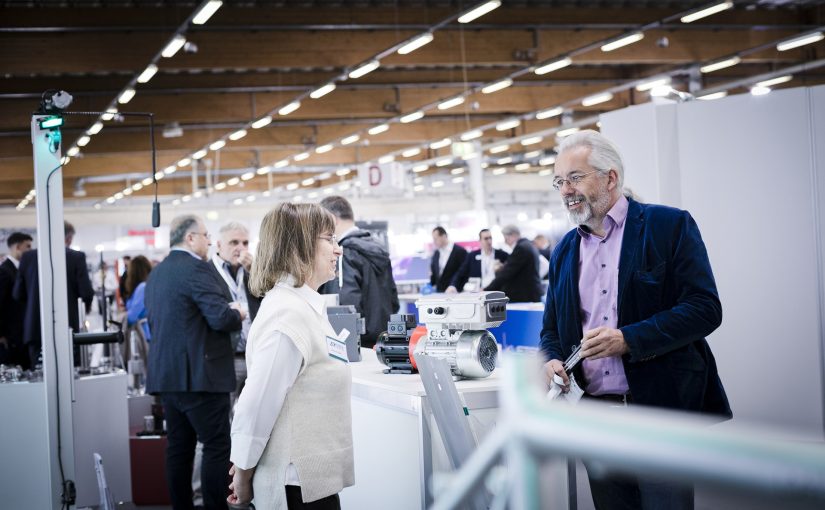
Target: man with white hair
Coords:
[[632, 284]]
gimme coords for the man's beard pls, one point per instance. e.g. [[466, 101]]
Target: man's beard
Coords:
[[590, 213]]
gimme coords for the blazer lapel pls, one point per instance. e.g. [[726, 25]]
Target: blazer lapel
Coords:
[[572, 283], [630, 248]]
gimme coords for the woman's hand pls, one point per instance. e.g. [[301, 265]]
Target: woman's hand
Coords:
[[241, 486]]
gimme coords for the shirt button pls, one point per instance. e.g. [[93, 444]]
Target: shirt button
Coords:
[[603, 265], [607, 372], [604, 318], [604, 292]]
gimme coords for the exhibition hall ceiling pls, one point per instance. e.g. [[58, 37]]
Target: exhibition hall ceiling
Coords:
[[339, 93]]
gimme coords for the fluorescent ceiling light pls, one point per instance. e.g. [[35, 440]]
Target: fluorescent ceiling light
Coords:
[[186, 198], [74, 151], [547, 161], [444, 161], [499, 148], [756, 90], [532, 140], [364, 69], [282, 163], [237, 135], [309, 181], [416, 43], [322, 91], [449, 103], [566, 132], [661, 91], [302, 156], [247, 176], [766, 83], [499, 171], [549, 112], [623, 41], [200, 154], [220, 186], [597, 99], [118, 195], [160, 175], [495, 87], [479, 11], [324, 148], [292, 186], [441, 144], [522, 166], [341, 172], [110, 114], [233, 181], [185, 161], [263, 170], [174, 45], [504, 161], [263, 121], [389, 158], [378, 129], [457, 171], [238, 201], [291, 107], [508, 124], [217, 145], [83, 140], [721, 64], [471, 135], [110, 200], [420, 168], [126, 96], [137, 186], [802, 40], [172, 168], [545, 173], [127, 191], [437, 184], [206, 12], [411, 117], [650, 84], [147, 73], [532, 154], [350, 139], [411, 152], [553, 66], [147, 181], [707, 11], [458, 180]]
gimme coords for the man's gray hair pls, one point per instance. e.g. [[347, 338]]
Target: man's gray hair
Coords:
[[180, 226], [510, 230], [232, 226], [604, 154]]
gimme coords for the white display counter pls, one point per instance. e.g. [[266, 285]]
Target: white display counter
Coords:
[[397, 445]]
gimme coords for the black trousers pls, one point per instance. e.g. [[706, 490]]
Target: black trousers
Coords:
[[192, 417], [294, 501], [630, 493]]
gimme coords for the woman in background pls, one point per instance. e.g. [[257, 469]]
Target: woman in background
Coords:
[[136, 275], [292, 430]]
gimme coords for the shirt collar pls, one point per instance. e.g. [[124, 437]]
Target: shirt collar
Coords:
[[446, 249], [315, 300], [225, 265], [187, 250], [14, 261], [615, 217], [348, 232]]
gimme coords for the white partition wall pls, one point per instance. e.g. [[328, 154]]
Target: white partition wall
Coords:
[[751, 170]]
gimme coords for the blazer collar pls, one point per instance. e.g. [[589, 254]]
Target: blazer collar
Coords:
[[630, 246]]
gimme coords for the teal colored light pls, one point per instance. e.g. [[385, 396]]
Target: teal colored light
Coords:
[[51, 122]]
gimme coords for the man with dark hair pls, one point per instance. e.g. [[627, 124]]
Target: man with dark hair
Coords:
[[446, 261], [26, 290], [479, 264], [11, 312], [519, 277], [365, 272], [191, 364]]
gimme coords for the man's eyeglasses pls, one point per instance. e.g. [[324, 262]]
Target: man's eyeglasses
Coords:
[[204, 234], [332, 239], [573, 180]]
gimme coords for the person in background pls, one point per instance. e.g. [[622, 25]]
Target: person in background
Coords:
[[519, 277], [365, 279], [446, 261], [191, 317], [292, 431], [121, 285], [542, 245], [632, 285], [138, 272], [479, 263], [27, 290], [12, 351]]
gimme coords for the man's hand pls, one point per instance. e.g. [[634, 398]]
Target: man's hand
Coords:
[[556, 367], [451, 290], [241, 487], [246, 260], [602, 343], [237, 306]]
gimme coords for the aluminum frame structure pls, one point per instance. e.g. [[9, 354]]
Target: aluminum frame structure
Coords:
[[645, 442]]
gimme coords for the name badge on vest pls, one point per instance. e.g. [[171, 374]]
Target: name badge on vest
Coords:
[[337, 349]]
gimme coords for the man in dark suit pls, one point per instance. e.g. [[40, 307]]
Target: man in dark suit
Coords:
[[12, 312], [480, 263], [633, 284], [26, 290], [519, 277], [446, 260], [191, 364]]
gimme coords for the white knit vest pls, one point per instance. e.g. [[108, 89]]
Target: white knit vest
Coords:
[[314, 429]]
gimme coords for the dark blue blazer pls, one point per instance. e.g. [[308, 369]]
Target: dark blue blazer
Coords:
[[471, 268], [667, 305], [189, 316], [27, 285], [441, 280]]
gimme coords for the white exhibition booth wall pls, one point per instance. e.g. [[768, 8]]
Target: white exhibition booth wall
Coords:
[[751, 171]]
